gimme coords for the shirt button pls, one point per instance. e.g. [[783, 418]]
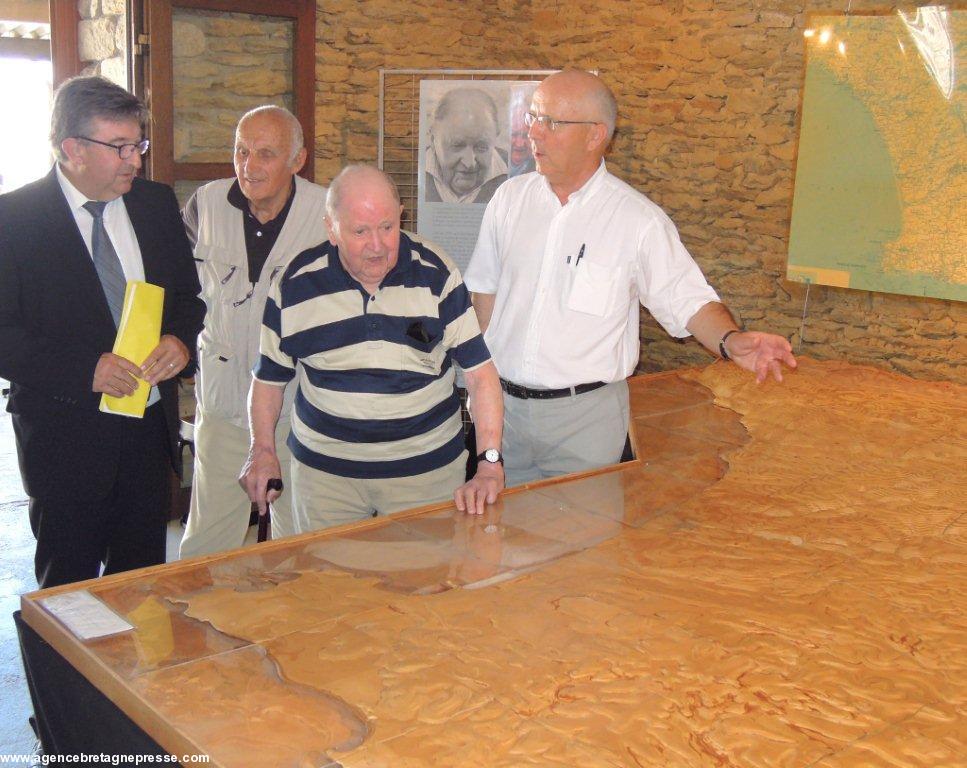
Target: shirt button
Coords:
[[258, 234]]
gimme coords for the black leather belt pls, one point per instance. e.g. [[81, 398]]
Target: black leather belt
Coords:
[[526, 393]]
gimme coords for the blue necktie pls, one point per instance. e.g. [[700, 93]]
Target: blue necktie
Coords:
[[106, 261]]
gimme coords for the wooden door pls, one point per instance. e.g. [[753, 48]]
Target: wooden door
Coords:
[[200, 64]]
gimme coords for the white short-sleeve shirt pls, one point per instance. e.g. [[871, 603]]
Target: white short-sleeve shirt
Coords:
[[568, 279]]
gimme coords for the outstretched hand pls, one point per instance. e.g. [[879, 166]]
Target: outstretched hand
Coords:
[[761, 353]]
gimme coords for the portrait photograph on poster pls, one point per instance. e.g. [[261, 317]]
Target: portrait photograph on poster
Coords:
[[472, 139]]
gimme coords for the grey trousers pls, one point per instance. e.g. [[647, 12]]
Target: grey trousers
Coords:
[[545, 438]]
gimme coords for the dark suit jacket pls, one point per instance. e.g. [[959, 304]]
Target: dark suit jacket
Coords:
[[55, 324]]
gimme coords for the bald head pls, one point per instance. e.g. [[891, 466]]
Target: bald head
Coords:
[[581, 110], [268, 154], [269, 113], [358, 180], [363, 216], [587, 93]]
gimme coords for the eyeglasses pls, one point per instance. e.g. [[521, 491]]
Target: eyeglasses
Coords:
[[124, 150], [550, 124]]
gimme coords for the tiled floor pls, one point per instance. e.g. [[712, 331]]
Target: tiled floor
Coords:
[[16, 577]]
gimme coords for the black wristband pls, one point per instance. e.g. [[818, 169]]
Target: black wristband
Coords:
[[725, 355]]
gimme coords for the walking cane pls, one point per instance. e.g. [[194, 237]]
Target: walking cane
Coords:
[[275, 484]]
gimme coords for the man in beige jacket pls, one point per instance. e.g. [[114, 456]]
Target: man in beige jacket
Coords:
[[245, 232]]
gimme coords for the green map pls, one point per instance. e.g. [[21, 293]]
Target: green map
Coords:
[[880, 200]]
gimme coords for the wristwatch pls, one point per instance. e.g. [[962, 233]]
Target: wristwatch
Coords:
[[491, 456]]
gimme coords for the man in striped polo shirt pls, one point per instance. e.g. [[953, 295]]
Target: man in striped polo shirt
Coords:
[[376, 320]]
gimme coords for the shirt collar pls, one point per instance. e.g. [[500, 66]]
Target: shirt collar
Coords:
[[238, 200], [586, 189], [75, 198]]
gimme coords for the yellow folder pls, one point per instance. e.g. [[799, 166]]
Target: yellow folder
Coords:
[[138, 333]]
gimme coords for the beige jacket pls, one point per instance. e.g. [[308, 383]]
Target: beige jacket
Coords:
[[228, 345]]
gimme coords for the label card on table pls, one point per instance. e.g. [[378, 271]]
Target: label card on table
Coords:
[[85, 615]]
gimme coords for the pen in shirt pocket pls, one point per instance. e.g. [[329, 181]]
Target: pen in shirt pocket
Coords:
[[580, 254]]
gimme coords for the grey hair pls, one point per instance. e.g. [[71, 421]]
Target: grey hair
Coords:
[[81, 100], [350, 173], [451, 100], [606, 106], [296, 138]]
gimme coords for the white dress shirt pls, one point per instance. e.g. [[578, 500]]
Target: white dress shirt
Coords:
[[116, 222], [560, 320], [119, 229]]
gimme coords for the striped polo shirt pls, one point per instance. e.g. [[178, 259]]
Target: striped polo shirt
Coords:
[[376, 395]]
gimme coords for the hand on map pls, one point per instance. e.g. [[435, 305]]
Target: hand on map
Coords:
[[483, 488]]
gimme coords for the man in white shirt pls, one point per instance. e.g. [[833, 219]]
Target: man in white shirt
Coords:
[[245, 231], [563, 258]]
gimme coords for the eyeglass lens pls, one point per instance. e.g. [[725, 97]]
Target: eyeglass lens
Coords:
[[126, 150], [543, 120]]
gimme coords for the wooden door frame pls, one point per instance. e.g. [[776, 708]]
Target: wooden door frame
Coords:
[[159, 81], [65, 58]]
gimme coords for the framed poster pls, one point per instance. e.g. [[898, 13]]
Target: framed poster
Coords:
[[472, 138]]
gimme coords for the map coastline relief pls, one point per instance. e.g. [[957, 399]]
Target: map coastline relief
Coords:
[[880, 199], [776, 581]]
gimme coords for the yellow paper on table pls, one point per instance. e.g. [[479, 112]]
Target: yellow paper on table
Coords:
[[138, 333]]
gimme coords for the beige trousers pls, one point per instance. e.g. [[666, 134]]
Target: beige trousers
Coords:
[[219, 512], [321, 500]]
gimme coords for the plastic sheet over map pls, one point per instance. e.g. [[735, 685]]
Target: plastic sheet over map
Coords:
[[779, 580]]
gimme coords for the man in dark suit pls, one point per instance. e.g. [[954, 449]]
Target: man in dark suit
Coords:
[[98, 483]]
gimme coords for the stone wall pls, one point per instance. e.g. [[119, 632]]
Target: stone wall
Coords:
[[224, 65], [102, 39], [709, 97]]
